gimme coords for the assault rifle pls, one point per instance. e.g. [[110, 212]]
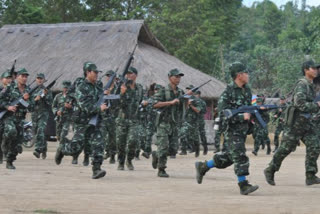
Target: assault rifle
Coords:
[[102, 99], [12, 70], [20, 101], [50, 85], [228, 113]]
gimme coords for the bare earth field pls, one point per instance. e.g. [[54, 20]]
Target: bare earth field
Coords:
[[40, 186]]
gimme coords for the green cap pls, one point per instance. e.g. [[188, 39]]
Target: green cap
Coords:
[[237, 67], [157, 87], [6, 74], [309, 64], [190, 87], [198, 92], [175, 72], [66, 84], [90, 66], [23, 71], [259, 100], [282, 98], [110, 72], [40, 75], [133, 70]]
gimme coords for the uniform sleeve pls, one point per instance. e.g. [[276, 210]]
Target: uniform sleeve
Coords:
[[300, 99], [159, 96], [55, 108], [49, 98], [86, 101]]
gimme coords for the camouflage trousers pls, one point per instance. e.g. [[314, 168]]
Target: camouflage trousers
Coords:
[[86, 137], [39, 124], [167, 137], [150, 130], [234, 153], [108, 131], [12, 137], [306, 132], [277, 133], [202, 132], [62, 129], [1, 145], [190, 136], [141, 143], [261, 137], [217, 137], [127, 139]]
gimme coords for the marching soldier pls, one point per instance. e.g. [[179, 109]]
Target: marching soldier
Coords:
[[202, 124], [279, 119]]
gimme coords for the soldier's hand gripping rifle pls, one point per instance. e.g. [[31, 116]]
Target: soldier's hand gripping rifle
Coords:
[[228, 113], [48, 87], [20, 101]]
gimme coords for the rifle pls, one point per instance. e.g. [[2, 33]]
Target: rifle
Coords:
[[50, 85], [12, 70], [228, 113], [19, 100], [102, 98]]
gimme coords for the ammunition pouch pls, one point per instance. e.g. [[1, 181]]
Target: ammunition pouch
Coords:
[[289, 116]]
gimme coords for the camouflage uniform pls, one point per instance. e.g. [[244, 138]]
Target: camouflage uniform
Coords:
[[167, 127], [150, 127], [219, 132], [142, 127], [87, 95], [202, 124], [279, 124], [127, 125], [301, 128], [39, 116], [13, 121]]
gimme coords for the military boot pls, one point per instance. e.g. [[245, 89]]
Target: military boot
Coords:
[[86, 160], [75, 159], [10, 165], [183, 152], [146, 155], [312, 179], [106, 156], [197, 153], [268, 149], [246, 188], [97, 171], [262, 146], [44, 155], [137, 155], [112, 159], [205, 150], [154, 160], [36, 154], [19, 149], [162, 173], [121, 166], [269, 175], [201, 169], [58, 157], [129, 165], [255, 153]]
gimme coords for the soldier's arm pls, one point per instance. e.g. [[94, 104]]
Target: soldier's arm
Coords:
[[86, 101], [49, 98], [55, 105], [300, 99], [159, 100]]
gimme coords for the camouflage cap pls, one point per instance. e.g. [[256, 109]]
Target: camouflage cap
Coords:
[[157, 87], [23, 71], [175, 72], [90, 66], [190, 87], [282, 98], [41, 75], [6, 74], [133, 70], [110, 72], [66, 84], [259, 99], [309, 64], [237, 67], [198, 92]]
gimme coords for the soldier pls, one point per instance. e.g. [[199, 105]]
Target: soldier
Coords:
[[219, 129], [299, 126], [279, 118], [42, 104], [235, 95], [260, 134], [108, 126], [127, 122], [202, 123], [14, 118], [6, 80], [167, 122], [87, 95], [62, 109]]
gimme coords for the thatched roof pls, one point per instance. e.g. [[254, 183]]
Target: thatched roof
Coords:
[[63, 48]]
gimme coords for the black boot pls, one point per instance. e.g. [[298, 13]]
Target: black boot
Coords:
[[86, 160], [97, 171], [183, 152], [112, 159], [10, 165], [268, 149], [75, 159], [154, 160], [312, 179], [136, 157], [44, 155], [121, 166], [269, 175], [197, 153], [205, 150], [162, 173], [129, 165], [246, 188], [36, 154], [255, 152], [146, 155], [58, 157], [201, 169]]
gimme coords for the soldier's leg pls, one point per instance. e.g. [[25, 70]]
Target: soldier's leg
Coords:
[[159, 158], [203, 137], [131, 144], [59, 125], [217, 139], [10, 137], [1, 133], [148, 144], [121, 139], [96, 143], [41, 141], [112, 146], [194, 138], [277, 133], [267, 140], [312, 153]]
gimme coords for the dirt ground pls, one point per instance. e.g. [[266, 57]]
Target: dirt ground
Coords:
[[40, 186]]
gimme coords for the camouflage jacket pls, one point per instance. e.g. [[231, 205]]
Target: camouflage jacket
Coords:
[[87, 95], [191, 116], [130, 102], [234, 97], [113, 107], [279, 119], [59, 102], [170, 113], [203, 109], [44, 104], [13, 93]]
